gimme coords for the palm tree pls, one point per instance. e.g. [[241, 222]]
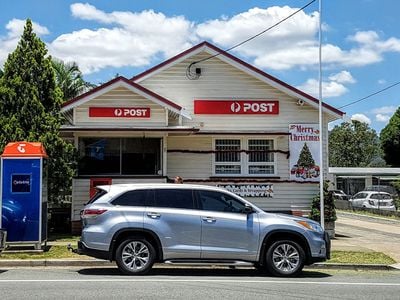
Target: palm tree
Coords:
[[69, 79]]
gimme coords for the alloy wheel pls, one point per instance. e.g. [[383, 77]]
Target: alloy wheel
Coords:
[[135, 255], [286, 258]]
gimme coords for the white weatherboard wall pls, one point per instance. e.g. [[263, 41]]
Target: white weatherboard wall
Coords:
[[221, 81], [218, 81]]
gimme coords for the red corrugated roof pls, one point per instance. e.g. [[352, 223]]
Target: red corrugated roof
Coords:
[[131, 83]]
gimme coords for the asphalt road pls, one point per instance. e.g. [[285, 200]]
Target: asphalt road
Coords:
[[174, 283]]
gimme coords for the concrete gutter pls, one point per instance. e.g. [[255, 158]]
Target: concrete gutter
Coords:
[[11, 263]]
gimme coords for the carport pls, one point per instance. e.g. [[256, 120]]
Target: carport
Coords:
[[353, 180]]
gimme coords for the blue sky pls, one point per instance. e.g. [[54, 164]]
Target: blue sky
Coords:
[[361, 41]]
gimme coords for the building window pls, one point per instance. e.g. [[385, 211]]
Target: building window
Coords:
[[260, 162], [255, 160], [227, 162], [119, 156]]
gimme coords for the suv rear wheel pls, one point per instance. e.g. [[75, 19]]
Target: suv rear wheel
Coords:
[[285, 258], [135, 255]]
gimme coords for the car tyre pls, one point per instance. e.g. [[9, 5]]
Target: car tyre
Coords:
[[135, 256], [285, 258]]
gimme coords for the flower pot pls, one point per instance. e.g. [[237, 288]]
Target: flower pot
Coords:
[[330, 228]]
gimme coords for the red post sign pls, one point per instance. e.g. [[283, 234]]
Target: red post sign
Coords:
[[236, 107], [119, 112]]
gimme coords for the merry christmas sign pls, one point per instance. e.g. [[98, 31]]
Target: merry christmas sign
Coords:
[[305, 162]]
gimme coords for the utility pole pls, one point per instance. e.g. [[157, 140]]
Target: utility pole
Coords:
[[321, 178]]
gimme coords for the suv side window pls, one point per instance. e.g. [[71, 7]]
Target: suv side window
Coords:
[[132, 198], [360, 196], [216, 201], [173, 198], [375, 196]]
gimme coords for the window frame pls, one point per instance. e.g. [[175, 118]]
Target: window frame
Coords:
[[197, 194], [244, 157]]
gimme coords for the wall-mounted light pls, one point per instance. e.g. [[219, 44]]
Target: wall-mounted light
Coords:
[[300, 102]]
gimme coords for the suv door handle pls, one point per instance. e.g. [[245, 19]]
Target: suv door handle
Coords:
[[153, 215], [209, 219]]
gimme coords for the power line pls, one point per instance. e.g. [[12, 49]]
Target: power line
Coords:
[[370, 95], [251, 38]]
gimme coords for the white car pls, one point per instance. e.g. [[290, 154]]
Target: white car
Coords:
[[371, 199]]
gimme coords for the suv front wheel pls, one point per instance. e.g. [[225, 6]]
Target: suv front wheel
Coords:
[[135, 256], [285, 258]]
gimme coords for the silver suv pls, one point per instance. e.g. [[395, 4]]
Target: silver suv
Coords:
[[140, 224]]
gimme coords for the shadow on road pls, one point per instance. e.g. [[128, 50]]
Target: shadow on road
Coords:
[[3, 271], [203, 272]]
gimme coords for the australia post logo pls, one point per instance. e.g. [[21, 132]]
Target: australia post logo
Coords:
[[119, 112], [241, 107]]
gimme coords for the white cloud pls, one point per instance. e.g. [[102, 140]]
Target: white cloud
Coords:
[[329, 89], [125, 38], [342, 77], [384, 113], [333, 88], [382, 118], [15, 28], [134, 39], [295, 44], [384, 110], [362, 118], [382, 81], [86, 11]]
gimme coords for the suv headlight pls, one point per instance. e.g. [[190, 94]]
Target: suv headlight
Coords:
[[311, 226]]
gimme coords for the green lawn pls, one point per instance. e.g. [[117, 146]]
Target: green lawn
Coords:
[[343, 257], [353, 257]]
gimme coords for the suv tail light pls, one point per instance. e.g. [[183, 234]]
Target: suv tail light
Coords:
[[92, 213]]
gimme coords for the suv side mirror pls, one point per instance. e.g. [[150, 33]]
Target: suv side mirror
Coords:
[[247, 209]]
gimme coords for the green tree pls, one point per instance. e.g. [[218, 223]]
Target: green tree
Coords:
[[390, 140], [69, 79], [30, 108], [305, 157], [354, 144]]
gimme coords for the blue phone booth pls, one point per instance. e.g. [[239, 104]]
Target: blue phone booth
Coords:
[[23, 193]]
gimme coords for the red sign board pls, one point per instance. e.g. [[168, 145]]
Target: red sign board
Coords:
[[119, 112], [236, 107]]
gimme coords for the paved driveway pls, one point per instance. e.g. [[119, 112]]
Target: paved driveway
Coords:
[[362, 233]]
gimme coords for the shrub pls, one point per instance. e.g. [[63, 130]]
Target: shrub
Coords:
[[329, 206]]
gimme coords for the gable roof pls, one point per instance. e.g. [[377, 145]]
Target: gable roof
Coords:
[[130, 85], [242, 65]]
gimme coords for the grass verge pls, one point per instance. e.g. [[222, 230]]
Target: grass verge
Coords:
[[340, 257], [369, 213], [360, 258]]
